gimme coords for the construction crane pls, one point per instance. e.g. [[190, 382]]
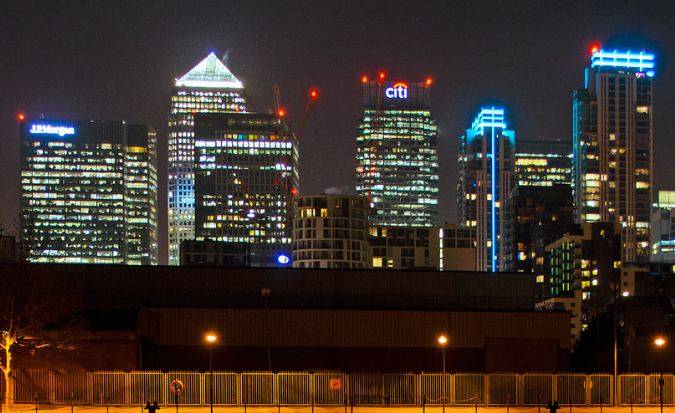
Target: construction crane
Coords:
[[259, 212], [369, 169]]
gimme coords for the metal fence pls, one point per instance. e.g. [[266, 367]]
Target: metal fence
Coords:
[[337, 388]]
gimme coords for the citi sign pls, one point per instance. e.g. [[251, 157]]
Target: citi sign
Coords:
[[52, 130], [398, 91]]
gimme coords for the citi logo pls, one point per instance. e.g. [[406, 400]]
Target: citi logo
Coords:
[[398, 91]]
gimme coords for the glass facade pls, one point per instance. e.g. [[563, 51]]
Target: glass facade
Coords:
[[89, 192], [209, 87], [613, 147], [245, 174], [396, 154], [486, 177]]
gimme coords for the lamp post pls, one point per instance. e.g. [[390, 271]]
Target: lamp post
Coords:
[[442, 340], [211, 338], [660, 342], [266, 293]]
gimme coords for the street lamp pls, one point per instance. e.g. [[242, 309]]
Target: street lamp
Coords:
[[442, 340], [660, 342], [211, 338]]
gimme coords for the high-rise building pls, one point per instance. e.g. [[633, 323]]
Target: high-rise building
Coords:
[[89, 192], [140, 194], [209, 87], [246, 170], [331, 231], [613, 146], [543, 162], [486, 177], [396, 153]]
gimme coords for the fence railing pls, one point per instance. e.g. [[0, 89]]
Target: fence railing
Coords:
[[337, 388]]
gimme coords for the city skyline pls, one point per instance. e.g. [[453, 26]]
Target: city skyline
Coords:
[[120, 61]]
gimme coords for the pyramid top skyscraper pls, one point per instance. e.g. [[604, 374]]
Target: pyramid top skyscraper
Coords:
[[209, 87], [211, 73]]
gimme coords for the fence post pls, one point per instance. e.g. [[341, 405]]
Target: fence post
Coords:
[[476, 402], [424, 402]]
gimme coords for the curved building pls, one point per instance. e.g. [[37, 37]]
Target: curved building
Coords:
[[331, 231]]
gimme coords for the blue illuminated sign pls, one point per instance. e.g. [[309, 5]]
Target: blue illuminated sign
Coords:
[[44, 129], [283, 259], [630, 60], [398, 91]]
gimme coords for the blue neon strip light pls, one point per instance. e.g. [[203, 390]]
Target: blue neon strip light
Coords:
[[489, 117], [493, 175], [640, 61]]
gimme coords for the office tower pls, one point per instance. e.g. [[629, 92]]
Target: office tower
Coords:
[[396, 153], [89, 192], [486, 177], [246, 171], [140, 194], [331, 231], [613, 144], [209, 87], [543, 162]]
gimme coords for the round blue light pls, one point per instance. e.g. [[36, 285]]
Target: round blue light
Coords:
[[283, 259]]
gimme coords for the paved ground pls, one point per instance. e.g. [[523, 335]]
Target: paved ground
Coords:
[[218, 409]]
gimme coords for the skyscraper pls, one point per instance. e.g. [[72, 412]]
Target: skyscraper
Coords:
[[613, 146], [209, 87], [486, 177], [396, 153], [89, 192], [246, 169]]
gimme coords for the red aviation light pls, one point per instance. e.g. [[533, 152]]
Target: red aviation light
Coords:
[[595, 47], [382, 75], [21, 116], [281, 113], [428, 81], [364, 79], [294, 191], [314, 94]]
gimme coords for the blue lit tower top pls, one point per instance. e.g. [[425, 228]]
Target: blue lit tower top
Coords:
[[489, 117], [639, 62]]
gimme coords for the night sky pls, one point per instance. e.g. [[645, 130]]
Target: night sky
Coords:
[[117, 60]]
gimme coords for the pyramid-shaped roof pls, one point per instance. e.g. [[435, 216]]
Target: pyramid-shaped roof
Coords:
[[210, 72]]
